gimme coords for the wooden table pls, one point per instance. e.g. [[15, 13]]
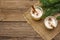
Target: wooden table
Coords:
[[14, 26]]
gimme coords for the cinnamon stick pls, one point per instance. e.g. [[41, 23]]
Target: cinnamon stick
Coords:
[[34, 10]]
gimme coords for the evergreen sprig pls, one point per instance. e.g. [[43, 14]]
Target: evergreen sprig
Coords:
[[50, 7]]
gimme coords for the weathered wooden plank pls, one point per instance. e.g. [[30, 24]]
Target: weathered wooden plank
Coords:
[[19, 38], [16, 3], [7, 38], [17, 29], [33, 38], [19, 0], [12, 15]]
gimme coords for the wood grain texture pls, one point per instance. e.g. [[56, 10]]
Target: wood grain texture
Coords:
[[16, 3], [12, 15], [13, 26], [20, 30], [12, 10]]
